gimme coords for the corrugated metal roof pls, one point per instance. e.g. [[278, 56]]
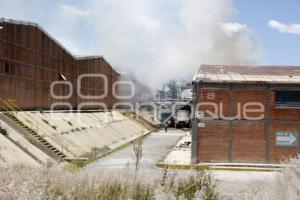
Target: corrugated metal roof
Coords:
[[248, 74]]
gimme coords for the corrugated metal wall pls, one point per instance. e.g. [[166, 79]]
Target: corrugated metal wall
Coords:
[[30, 61]]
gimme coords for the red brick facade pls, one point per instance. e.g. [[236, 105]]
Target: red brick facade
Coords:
[[242, 140]]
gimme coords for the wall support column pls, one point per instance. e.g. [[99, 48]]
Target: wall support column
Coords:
[[230, 113], [195, 158], [267, 125]]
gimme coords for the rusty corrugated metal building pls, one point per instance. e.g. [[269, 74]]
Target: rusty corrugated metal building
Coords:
[[30, 60], [246, 113]]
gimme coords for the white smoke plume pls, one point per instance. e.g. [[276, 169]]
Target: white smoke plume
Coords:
[[161, 40], [157, 40]]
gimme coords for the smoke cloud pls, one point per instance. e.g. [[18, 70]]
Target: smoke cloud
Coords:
[[156, 40]]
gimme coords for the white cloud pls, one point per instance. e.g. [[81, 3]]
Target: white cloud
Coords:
[[284, 28], [73, 11]]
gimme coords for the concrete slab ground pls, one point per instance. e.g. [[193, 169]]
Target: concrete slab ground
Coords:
[[155, 145]]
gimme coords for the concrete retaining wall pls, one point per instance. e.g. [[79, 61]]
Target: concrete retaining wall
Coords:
[[79, 134]]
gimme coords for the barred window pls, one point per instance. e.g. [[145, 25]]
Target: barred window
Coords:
[[287, 98]]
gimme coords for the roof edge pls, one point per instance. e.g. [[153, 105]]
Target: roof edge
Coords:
[[249, 65], [75, 57]]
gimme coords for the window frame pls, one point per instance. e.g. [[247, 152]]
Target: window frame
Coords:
[[286, 101]]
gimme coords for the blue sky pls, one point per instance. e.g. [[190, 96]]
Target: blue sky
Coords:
[[279, 48], [170, 38]]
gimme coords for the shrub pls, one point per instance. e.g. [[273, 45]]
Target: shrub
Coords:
[[283, 186], [200, 185], [187, 188], [3, 131]]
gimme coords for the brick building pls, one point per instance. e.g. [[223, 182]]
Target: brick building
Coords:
[[246, 113], [30, 60]]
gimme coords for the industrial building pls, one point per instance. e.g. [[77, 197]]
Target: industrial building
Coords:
[[30, 60], [246, 114]]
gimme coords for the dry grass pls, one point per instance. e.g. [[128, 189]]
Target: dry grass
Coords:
[[20, 182], [285, 186], [57, 182]]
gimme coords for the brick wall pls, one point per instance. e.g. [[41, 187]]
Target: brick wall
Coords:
[[219, 97], [213, 142], [248, 142], [242, 140]]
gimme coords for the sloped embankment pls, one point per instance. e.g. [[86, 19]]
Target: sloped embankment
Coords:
[[82, 135]]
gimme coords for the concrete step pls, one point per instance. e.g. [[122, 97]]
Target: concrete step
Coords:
[[46, 143], [38, 137]]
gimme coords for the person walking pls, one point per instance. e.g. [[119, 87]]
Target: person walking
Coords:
[[166, 127]]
